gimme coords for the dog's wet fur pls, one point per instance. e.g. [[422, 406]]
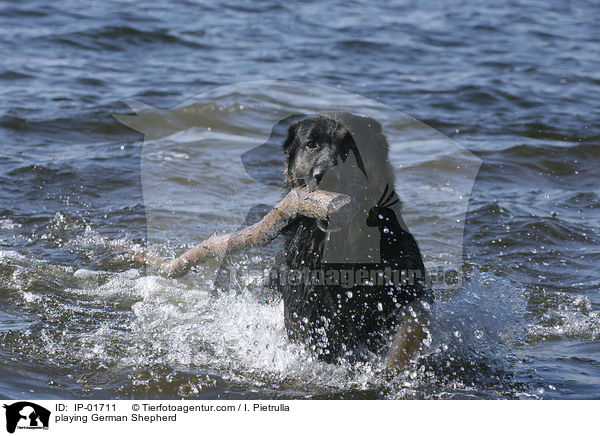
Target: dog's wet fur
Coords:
[[359, 321]]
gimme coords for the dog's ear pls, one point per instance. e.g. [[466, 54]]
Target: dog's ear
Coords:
[[291, 137], [373, 124], [355, 123], [371, 132]]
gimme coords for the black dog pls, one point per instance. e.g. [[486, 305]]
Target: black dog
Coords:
[[357, 288]]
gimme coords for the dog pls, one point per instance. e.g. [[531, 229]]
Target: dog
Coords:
[[358, 288]]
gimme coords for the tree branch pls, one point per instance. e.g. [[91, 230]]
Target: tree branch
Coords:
[[324, 205]]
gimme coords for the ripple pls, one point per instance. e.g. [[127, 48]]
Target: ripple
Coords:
[[573, 318], [124, 37]]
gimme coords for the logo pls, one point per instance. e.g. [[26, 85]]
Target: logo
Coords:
[[238, 129], [26, 415]]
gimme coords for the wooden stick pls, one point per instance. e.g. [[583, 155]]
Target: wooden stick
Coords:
[[324, 205]]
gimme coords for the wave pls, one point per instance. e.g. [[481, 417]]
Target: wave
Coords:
[[566, 316], [117, 38], [182, 337], [14, 75]]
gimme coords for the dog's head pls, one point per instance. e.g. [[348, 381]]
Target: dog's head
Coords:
[[321, 142], [345, 153]]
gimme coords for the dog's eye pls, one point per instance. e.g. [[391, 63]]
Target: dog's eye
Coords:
[[311, 144]]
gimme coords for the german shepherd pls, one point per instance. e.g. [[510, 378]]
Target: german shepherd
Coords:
[[356, 289]]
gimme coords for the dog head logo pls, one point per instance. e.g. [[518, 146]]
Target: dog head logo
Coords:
[[345, 153], [239, 129], [26, 415]]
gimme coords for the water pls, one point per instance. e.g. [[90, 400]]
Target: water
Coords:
[[516, 85]]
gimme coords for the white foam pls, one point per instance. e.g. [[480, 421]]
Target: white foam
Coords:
[[8, 224], [572, 319]]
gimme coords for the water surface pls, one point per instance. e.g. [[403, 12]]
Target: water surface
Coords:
[[518, 86]]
